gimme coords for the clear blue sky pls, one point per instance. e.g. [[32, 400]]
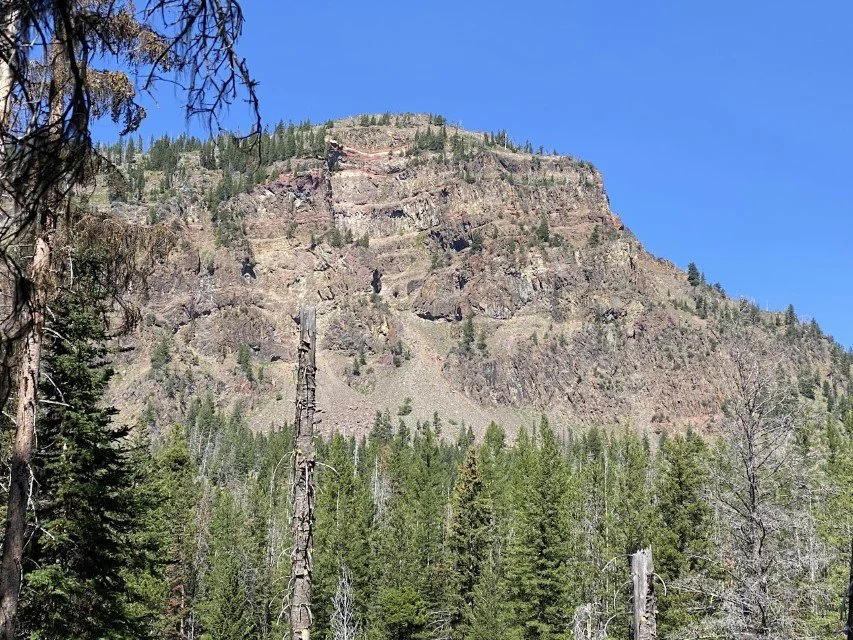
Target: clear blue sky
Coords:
[[723, 129]]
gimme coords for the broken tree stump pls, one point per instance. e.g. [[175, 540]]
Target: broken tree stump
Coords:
[[645, 607]]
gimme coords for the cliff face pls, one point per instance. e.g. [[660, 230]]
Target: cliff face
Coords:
[[399, 242]]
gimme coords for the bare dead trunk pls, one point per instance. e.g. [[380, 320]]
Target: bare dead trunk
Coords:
[[645, 607], [303, 481], [10, 27], [33, 310], [24, 444], [10, 329]]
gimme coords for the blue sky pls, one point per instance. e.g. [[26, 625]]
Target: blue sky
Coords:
[[723, 129]]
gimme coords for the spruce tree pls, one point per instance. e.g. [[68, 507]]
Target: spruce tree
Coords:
[[694, 277], [683, 545], [344, 512], [176, 477], [425, 490], [225, 609], [88, 500], [468, 540], [638, 520], [491, 614], [538, 550]]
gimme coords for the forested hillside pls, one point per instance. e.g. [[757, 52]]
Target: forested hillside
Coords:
[[424, 532]]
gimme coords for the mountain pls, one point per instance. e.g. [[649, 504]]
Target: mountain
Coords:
[[452, 271]]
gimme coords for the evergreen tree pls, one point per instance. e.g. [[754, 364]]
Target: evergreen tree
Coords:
[[790, 316], [596, 532], [224, 609], [693, 275], [491, 613], [683, 548], [426, 486], [344, 514], [638, 521], [467, 342], [176, 479], [468, 539], [90, 507], [537, 554]]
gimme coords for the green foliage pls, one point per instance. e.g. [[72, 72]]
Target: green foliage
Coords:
[[174, 479], [694, 278], [807, 382], [491, 614], [225, 609], [382, 428], [161, 354], [481, 342], [399, 353], [469, 539], [594, 238], [403, 613], [683, 546], [429, 140], [466, 344], [500, 139], [790, 316], [538, 552], [542, 232], [86, 561], [244, 361], [344, 514], [442, 537]]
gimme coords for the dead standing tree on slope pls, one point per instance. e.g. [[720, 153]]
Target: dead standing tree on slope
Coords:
[[753, 489], [302, 508]]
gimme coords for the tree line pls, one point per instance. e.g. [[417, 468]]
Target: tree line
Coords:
[[421, 533]]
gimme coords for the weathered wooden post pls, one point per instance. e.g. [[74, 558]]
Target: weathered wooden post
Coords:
[[645, 609], [303, 480]]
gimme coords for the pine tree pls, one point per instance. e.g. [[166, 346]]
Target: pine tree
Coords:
[[693, 275], [683, 545], [538, 551], [491, 613], [468, 539], [90, 506], [175, 477], [638, 521], [597, 583], [426, 486], [224, 609], [344, 513]]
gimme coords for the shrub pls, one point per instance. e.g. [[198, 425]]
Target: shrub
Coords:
[[161, 355]]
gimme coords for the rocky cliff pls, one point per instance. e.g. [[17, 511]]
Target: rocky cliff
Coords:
[[447, 268]]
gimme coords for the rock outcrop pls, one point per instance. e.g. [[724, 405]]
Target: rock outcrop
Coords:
[[397, 248]]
